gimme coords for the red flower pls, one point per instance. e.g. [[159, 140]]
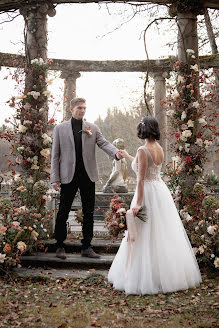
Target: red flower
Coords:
[[177, 135], [26, 161], [51, 121], [188, 159], [117, 206]]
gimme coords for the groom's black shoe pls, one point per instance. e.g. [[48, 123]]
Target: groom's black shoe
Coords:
[[89, 252], [60, 253]]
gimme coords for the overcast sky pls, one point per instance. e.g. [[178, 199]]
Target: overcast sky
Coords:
[[80, 31]]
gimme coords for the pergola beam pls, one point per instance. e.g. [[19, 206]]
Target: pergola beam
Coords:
[[158, 65], [6, 5]]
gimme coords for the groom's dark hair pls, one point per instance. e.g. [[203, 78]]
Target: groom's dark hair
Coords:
[[148, 128], [76, 101]]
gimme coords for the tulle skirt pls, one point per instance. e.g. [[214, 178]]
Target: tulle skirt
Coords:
[[161, 258]]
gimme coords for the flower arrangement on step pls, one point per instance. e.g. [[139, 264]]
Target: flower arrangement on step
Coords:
[[27, 222], [115, 217], [191, 108]]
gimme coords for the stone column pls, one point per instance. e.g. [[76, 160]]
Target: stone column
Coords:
[[187, 35], [188, 39], [69, 91], [159, 110], [35, 18], [35, 35]]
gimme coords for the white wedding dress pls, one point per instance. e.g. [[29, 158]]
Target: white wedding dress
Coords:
[[161, 259]]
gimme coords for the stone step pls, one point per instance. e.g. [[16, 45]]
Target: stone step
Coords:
[[75, 261], [25, 272], [99, 246]]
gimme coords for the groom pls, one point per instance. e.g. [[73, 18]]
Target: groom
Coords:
[[73, 167]]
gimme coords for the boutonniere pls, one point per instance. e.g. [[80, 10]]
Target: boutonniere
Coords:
[[87, 130]]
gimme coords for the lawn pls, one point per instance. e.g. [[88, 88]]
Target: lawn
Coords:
[[92, 302]]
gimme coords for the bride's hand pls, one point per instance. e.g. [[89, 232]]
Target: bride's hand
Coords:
[[136, 209], [124, 153]]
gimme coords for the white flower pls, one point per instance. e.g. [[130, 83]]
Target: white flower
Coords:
[[212, 256], [195, 104], [195, 250], [188, 217], [45, 152], [190, 51], [181, 79], [202, 121], [35, 159], [202, 237], [30, 180], [34, 234], [199, 142], [183, 116], [187, 145], [17, 177], [194, 67], [216, 262], [35, 167], [211, 230], [217, 211], [22, 128], [45, 230], [2, 257], [47, 139], [27, 122], [181, 212], [190, 123], [180, 148], [27, 106], [187, 133], [19, 149], [47, 93], [21, 246], [121, 210], [207, 144], [37, 61], [34, 94], [34, 225], [197, 168], [170, 112], [193, 57], [201, 249], [175, 93]]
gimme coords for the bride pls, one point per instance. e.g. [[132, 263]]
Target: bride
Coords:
[[161, 258]]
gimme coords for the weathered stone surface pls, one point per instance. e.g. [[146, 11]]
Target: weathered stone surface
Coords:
[[58, 273], [99, 246], [16, 4], [72, 261], [163, 65]]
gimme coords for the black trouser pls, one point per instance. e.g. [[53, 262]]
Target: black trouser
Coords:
[[67, 194]]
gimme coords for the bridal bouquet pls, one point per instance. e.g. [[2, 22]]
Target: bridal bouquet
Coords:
[[115, 217]]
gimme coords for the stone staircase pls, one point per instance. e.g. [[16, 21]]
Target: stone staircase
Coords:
[[46, 263], [74, 259]]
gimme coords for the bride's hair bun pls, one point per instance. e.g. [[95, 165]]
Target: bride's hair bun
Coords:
[[148, 128]]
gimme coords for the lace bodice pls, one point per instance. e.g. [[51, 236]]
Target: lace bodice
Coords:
[[153, 171]]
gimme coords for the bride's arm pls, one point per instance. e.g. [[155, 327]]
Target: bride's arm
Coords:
[[125, 154], [142, 168]]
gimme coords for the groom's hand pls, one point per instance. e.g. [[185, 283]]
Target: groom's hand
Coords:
[[119, 155], [56, 186]]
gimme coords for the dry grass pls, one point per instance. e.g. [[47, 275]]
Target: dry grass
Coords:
[[91, 302]]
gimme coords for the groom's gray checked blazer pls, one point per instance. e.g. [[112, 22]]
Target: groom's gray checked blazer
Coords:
[[63, 151]]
